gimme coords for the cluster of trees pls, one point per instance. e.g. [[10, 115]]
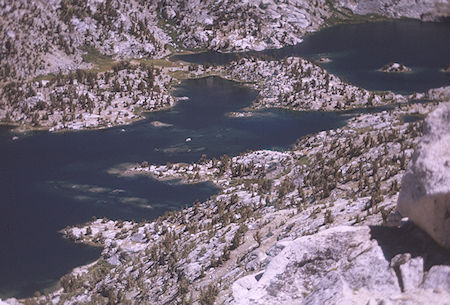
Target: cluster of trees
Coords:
[[85, 91], [375, 165], [106, 14]]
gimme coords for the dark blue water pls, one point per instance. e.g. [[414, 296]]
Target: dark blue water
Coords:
[[358, 51], [49, 181]]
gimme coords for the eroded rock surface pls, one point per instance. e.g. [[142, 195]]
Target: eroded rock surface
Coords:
[[342, 265], [425, 191], [328, 266]]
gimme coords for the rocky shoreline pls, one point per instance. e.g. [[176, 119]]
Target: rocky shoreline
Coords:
[[269, 202]]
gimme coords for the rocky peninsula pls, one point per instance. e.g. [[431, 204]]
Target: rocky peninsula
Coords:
[[83, 100], [298, 84]]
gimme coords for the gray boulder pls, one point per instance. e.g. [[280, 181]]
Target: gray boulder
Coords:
[[425, 191], [341, 265], [438, 278]]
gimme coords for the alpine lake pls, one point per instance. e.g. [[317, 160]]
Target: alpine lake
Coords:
[[51, 180]]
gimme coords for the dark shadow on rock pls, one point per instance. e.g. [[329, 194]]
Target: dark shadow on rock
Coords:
[[410, 239]]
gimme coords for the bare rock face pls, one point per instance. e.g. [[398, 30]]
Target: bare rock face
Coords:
[[425, 191], [330, 266], [438, 278], [350, 265]]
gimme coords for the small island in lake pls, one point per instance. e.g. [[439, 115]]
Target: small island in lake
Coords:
[[394, 68], [324, 60], [160, 124], [446, 69]]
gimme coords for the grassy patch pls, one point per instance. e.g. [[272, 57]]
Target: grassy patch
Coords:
[[364, 130], [41, 77], [303, 161], [159, 62], [180, 75], [137, 110], [101, 265], [101, 62]]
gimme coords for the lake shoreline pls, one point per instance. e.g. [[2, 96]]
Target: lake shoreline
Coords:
[[277, 210]]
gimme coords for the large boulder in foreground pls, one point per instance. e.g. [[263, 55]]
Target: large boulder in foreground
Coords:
[[324, 268], [347, 265], [425, 192]]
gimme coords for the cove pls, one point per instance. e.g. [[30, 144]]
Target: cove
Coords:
[[49, 181], [357, 51]]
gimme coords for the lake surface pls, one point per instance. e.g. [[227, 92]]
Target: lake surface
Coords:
[[49, 181], [357, 51]]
